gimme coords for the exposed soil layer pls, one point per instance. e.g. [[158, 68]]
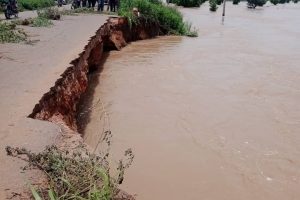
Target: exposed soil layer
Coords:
[[61, 102]]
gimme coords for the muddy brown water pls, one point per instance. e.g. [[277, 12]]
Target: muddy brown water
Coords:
[[213, 117]]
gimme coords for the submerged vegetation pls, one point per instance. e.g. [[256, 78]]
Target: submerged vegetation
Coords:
[[168, 18], [254, 3], [213, 5]]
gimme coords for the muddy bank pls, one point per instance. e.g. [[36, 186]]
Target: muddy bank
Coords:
[[61, 102]]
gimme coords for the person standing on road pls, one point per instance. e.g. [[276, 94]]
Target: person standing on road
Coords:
[[92, 3], [100, 5], [112, 5], [84, 3]]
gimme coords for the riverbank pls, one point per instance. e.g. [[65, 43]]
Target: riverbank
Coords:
[[26, 73]]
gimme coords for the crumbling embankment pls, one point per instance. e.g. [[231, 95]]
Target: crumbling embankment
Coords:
[[61, 102]]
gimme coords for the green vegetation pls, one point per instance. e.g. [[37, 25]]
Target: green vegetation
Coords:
[[219, 2], [74, 175], [236, 2], [295, 1], [41, 22], [213, 5], [35, 4], [168, 18], [254, 3], [49, 13], [188, 3], [275, 2], [35, 22], [79, 10], [9, 33]]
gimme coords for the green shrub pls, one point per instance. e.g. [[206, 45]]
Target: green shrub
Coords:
[[75, 175], [49, 13], [188, 3], [35, 4], [41, 22], [236, 2], [219, 2], [9, 33], [213, 5], [295, 1], [169, 18], [254, 3]]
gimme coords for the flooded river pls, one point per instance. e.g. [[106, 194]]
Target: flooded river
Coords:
[[213, 117]]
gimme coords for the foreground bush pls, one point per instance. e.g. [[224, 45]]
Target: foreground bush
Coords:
[[35, 4], [168, 18], [74, 175]]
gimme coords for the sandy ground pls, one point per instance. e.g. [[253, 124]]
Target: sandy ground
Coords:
[[26, 73]]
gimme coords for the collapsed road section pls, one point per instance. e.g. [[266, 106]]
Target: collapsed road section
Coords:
[[61, 102]]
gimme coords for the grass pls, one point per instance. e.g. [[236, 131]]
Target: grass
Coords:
[[169, 18], [35, 4], [34, 22], [9, 33], [49, 13], [75, 175], [41, 22]]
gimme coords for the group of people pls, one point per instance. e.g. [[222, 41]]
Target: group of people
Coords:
[[111, 4]]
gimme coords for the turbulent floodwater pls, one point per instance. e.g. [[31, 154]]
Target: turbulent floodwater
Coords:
[[213, 117]]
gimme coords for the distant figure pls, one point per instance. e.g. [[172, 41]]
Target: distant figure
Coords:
[[112, 5], [108, 2], [100, 5], [92, 3], [75, 4], [117, 4], [84, 3]]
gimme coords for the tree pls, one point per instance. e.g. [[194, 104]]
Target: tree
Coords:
[[219, 2], [213, 5], [253, 3], [236, 2], [295, 1], [275, 2]]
